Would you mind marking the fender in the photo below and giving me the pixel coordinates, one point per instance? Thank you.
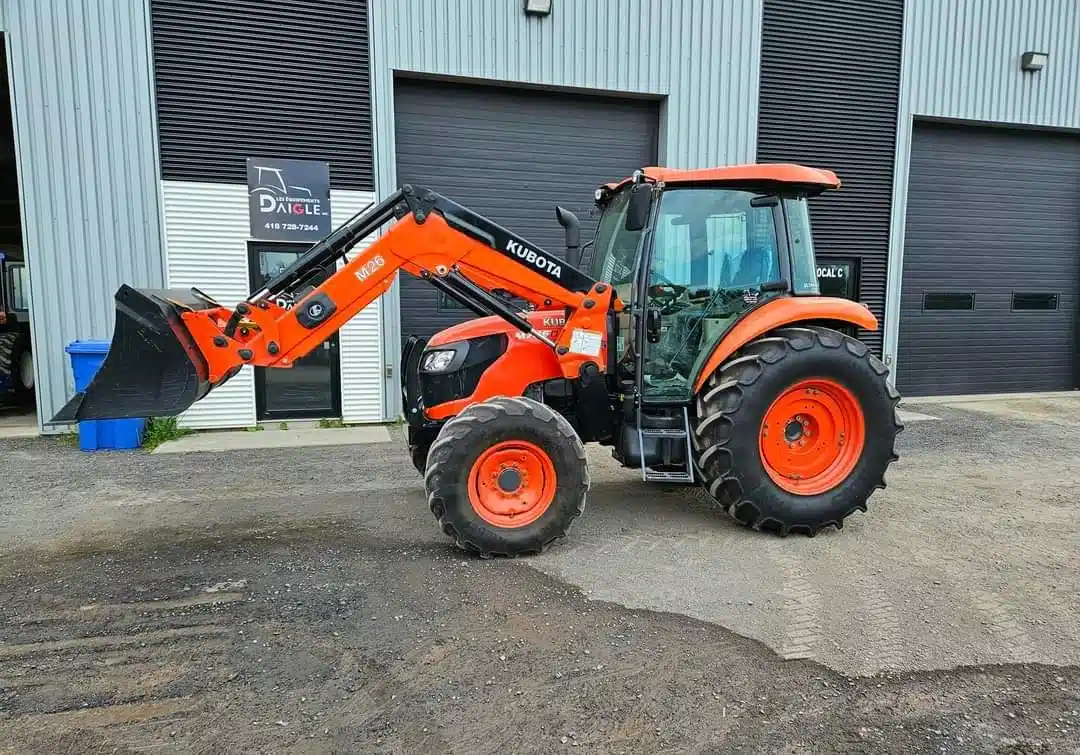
(779, 312)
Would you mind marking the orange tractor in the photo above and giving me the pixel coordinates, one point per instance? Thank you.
(697, 346)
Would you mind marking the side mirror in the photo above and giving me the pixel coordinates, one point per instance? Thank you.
(572, 227)
(637, 209)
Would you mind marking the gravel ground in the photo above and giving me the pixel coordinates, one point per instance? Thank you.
(302, 600)
(971, 555)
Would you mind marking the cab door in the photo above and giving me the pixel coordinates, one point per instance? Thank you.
(712, 255)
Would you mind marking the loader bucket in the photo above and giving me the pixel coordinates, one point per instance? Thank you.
(153, 367)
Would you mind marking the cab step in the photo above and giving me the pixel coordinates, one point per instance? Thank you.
(662, 432)
(648, 474)
(656, 475)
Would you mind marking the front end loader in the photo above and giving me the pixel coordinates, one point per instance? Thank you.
(697, 346)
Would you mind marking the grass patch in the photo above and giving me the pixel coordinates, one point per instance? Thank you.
(161, 430)
(284, 426)
(327, 423)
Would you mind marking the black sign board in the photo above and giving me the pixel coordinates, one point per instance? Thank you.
(288, 200)
(838, 277)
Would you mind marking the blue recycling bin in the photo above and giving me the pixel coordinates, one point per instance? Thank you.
(100, 434)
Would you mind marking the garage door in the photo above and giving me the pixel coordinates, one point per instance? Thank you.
(991, 262)
(512, 155)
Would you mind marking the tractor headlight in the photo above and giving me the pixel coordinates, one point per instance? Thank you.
(437, 361)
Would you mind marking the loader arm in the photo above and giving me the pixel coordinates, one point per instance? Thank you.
(195, 344)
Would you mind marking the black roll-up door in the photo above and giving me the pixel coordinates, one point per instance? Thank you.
(991, 280)
(830, 82)
(248, 78)
(512, 155)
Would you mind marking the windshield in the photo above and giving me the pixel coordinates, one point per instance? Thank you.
(713, 253)
(615, 249)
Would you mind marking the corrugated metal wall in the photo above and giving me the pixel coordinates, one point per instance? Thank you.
(84, 121)
(701, 54)
(244, 78)
(817, 111)
(962, 61)
(249, 78)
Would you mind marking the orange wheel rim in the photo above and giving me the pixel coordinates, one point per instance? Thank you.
(512, 484)
(812, 437)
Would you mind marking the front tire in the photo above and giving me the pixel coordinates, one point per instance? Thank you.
(507, 477)
(797, 431)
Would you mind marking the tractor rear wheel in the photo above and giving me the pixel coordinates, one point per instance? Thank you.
(507, 477)
(797, 431)
(16, 363)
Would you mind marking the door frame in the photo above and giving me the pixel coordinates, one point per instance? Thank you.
(262, 414)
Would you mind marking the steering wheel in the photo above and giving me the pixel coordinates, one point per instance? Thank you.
(666, 295)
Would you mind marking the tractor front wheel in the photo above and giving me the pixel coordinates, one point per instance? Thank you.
(506, 477)
(796, 432)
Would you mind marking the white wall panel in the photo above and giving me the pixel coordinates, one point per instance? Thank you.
(207, 237)
(361, 338)
(206, 234)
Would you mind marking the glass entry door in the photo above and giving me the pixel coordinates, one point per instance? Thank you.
(311, 387)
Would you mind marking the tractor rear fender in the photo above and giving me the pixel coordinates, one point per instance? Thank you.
(778, 313)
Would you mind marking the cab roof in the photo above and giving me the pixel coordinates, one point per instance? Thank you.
(814, 179)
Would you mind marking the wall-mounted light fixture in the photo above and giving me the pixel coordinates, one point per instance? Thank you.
(1033, 61)
(538, 7)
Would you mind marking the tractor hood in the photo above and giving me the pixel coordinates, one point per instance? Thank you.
(547, 322)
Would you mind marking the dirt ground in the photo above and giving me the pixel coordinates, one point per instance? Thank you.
(301, 600)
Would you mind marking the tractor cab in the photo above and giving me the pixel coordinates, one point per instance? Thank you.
(691, 253)
(16, 355)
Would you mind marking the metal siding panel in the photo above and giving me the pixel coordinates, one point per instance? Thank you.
(206, 238)
(830, 103)
(991, 212)
(84, 123)
(242, 78)
(682, 49)
(360, 339)
(962, 61)
(512, 155)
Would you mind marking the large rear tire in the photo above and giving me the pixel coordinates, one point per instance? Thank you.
(796, 432)
(16, 363)
(507, 477)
